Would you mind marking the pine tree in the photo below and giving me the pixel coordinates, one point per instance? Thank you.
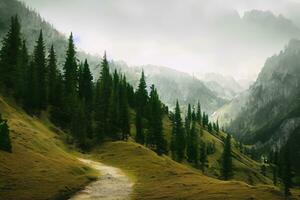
(141, 102)
(155, 137)
(41, 72)
(5, 143)
(114, 109)
(193, 115)
(70, 69)
(205, 119)
(9, 58)
(124, 110)
(203, 156)
(275, 167)
(198, 114)
(57, 114)
(209, 128)
(70, 75)
(178, 140)
(227, 169)
(31, 91)
(86, 86)
(140, 135)
(287, 172)
(79, 126)
(103, 95)
(23, 67)
(193, 145)
(52, 76)
(86, 94)
(189, 113)
(263, 170)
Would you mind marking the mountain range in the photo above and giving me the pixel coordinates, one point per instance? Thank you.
(267, 115)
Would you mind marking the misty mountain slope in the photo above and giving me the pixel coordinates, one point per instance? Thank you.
(32, 23)
(231, 110)
(172, 85)
(265, 20)
(269, 115)
(224, 86)
(274, 94)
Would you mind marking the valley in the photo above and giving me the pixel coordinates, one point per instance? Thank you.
(81, 126)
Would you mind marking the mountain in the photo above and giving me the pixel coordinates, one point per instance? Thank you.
(268, 115)
(270, 23)
(224, 86)
(172, 85)
(231, 110)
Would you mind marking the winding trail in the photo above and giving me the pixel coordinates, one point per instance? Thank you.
(113, 184)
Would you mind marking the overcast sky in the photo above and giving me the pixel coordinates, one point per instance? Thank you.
(188, 35)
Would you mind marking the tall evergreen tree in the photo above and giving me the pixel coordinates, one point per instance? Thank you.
(86, 86)
(178, 140)
(193, 145)
(275, 167)
(124, 110)
(5, 143)
(103, 95)
(114, 111)
(31, 91)
(140, 135)
(9, 57)
(57, 111)
(155, 137)
(203, 156)
(79, 126)
(141, 102)
(227, 169)
(189, 113)
(287, 172)
(86, 94)
(22, 70)
(71, 69)
(209, 128)
(52, 76)
(198, 113)
(70, 99)
(41, 72)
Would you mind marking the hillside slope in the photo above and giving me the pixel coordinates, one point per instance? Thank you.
(172, 84)
(245, 168)
(168, 81)
(161, 178)
(40, 166)
(268, 115)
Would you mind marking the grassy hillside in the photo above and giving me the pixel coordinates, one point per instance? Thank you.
(245, 168)
(40, 166)
(161, 178)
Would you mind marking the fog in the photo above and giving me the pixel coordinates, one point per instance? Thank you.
(192, 36)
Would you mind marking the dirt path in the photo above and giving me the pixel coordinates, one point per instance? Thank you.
(113, 184)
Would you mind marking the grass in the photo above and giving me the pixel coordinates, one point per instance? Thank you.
(40, 166)
(161, 178)
(245, 168)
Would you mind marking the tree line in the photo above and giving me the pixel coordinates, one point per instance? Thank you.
(90, 111)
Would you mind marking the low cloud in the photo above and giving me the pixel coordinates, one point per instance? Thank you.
(191, 36)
